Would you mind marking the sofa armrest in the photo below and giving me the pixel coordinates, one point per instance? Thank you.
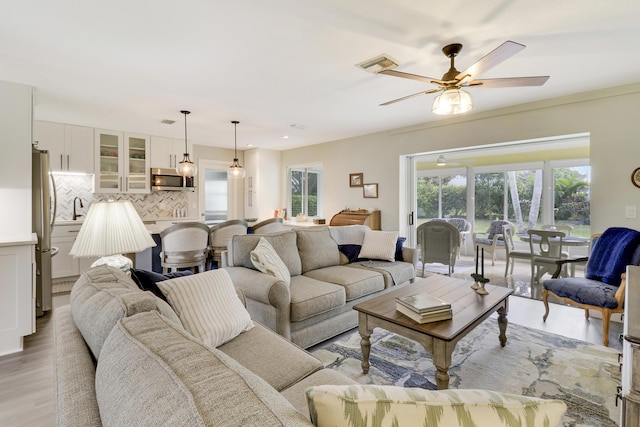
(410, 255)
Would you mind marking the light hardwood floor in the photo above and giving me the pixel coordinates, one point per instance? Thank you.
(26, 378)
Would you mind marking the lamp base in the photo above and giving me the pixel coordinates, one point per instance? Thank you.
(119, 261)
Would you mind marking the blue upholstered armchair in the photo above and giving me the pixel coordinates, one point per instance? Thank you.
(603, 286)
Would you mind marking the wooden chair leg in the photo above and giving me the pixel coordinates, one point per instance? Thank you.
(606, 317)
(586, 313)
(545, 296)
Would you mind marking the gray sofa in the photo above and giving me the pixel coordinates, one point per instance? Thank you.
(327, 280)
(122, 357)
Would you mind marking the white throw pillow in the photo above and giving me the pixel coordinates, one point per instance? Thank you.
(350, 405)
(266, 259)
(379, 245)
(208, 306)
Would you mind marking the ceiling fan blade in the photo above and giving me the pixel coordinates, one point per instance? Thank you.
(410, 76)
(510, 82)
(490, 60)
(410, 96)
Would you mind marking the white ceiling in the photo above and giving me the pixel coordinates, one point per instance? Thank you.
(128, 64)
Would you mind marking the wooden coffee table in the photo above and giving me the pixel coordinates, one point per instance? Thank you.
(438, 338)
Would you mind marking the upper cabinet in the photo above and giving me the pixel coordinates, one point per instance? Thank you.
(122, 162)
(166, 152)
(70, 147)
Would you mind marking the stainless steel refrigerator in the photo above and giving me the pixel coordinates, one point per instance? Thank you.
(44, 213)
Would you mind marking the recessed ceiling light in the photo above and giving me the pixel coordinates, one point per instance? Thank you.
(167, 122)
(285, 136)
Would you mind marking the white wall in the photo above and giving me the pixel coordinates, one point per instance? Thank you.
(15, 162)
(609, 116)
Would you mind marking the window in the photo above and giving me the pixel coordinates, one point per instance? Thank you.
(443, 196)
(572, 198)
(305, 190)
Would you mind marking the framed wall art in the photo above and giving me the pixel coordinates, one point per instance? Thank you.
(356, 179)
(370, 191)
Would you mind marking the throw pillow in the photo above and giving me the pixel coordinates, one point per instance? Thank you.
(208, 306)
(266, 259)
(146, 280)
(350, 251)
(399, 245)
(351, 405)
(379, 245)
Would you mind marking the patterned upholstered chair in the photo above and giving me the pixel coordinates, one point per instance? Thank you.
(603, 287)
(492, 241)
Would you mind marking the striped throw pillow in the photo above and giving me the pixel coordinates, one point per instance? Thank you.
(379, 245)
(265, 258)
(208, 306)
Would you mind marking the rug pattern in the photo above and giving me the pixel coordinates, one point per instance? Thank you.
(533, 363)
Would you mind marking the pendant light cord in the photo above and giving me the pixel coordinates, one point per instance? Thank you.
(185, 112)
(235, 138)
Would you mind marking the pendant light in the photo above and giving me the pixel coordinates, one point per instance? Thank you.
(186, 167)
(235, 170)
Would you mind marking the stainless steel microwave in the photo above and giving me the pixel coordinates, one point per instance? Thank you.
(169, 180)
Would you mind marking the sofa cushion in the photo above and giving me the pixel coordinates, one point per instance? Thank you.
(394, 273)
(317, 249)
(283, 242)
(102, 296)
(208, 306)
(148, 361)
(271, 357)
(146, 280)
(266, 259)
(310, 297)
(350, 405)
(357, 282)
(349, 234)
(379, 245)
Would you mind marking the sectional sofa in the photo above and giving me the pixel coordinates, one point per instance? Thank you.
(327, 270)
(125, 357)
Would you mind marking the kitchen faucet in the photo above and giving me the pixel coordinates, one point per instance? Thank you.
(76, 215)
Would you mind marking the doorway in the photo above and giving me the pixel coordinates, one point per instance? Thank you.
(219, 199)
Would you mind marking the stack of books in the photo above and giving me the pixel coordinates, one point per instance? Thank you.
(424, 308)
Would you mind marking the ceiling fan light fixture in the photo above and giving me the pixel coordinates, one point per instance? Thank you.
(186, 167)
(235, 171)
(441, 161)
(452, 101)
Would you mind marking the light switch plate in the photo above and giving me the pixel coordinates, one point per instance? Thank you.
(630, 212)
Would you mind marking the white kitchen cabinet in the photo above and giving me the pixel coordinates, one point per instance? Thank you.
(122, 162)
(262, 181)
(167, 152)
(63, 264)
(70, 147)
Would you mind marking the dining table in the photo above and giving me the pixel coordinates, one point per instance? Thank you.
(555, 248)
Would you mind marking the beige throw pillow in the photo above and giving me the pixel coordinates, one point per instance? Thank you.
(265, 258)
(379, 245)
(208, 306)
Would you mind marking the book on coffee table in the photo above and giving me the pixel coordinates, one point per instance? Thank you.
(423, 303)
(434, 316)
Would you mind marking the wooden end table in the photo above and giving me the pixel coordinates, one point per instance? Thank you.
(438, 338)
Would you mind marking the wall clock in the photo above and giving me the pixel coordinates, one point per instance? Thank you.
(635, 177)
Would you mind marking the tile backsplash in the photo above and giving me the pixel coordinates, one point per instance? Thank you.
(158, 204)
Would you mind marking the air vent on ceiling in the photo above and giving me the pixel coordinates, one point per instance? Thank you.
(377, 64)
(167, 122)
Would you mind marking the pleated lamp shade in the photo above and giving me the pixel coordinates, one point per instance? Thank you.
(111, 228)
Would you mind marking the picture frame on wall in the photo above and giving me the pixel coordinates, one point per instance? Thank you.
(356, 179)
(370, 191)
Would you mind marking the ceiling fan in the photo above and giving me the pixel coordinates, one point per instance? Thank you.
(453, 100)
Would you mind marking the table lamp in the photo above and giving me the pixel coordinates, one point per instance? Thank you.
(111, 229)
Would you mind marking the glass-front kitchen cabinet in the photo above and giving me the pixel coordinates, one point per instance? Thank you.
(122, 162)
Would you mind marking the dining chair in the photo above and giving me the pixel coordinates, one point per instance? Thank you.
(560, 227)
(492, 240)
(603, 286)
(512, 253)
(219, 235)
(546, 249)
(184, 245)
(270, 225)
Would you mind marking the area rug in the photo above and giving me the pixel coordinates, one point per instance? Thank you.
(533, 363)
(461, 267)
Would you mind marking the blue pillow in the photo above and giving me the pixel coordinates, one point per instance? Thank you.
(146, 280)
(350, 251)
(399, 245)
